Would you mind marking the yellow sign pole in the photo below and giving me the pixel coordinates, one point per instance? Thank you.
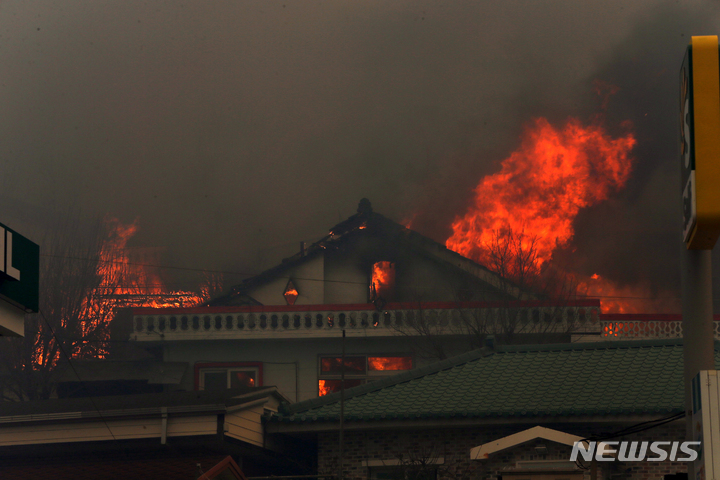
(700, 155)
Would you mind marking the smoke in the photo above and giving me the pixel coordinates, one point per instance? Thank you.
(635, 238)
(233, 130)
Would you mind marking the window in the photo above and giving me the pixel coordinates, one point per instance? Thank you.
(291, 294)
(382, 281)
(221, 376)
(359, 369)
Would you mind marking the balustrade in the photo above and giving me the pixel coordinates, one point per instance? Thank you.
(284, 324)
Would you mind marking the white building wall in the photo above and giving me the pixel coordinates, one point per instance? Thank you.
(308, 278)
(347, 278)
(282, 358)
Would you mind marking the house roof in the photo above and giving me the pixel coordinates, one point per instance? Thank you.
(368, 222)
(150, 370)
(88, 407)
(226, 469)
(581, 379)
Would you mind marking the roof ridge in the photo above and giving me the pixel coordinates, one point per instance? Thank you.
(596, 345)
(416, 241)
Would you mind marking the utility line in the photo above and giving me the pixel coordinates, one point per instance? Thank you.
(637, 428)
(226, 272)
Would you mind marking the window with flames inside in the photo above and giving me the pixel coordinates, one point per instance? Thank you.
(222, 378)
(382, 282)
(359, 369)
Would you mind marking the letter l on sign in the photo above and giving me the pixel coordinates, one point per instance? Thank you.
(6, 259)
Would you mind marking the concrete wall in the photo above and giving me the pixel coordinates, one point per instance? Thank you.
(453, 445)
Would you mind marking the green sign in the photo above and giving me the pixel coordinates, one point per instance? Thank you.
(19, 270)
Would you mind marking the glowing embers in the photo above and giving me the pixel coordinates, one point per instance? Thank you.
(332, 386)
(291, 293)
(381, 364)
(242, 379)
(382, 281)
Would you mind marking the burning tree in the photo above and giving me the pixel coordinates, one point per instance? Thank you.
(520, 215)
(84, 276)
(69, 273)
(513, 257)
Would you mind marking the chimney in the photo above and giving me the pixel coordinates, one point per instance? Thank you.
(302, 249)
(364, 207)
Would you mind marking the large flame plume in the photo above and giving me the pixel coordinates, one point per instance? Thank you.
(542, 187)
(537, 194)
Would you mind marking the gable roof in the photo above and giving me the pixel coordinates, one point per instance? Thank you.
(482, 452)
(226, 469)
(581, 379)
(367, 222)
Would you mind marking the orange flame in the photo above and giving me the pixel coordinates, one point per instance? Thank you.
(540, 190)
(383, 279)
(389, 363)
(542, 187)
(131, 280)
(323, 389)
(626, 299)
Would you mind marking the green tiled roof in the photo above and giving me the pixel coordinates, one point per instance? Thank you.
(604, 378)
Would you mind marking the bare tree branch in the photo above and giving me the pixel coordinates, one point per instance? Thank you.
(514, 257)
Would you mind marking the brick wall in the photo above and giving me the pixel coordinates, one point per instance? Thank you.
(411, 447)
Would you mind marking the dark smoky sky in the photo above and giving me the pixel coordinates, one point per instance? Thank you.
(232, 130)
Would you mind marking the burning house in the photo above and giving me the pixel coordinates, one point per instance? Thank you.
(207, 375)
(402, 300)
(370, 308)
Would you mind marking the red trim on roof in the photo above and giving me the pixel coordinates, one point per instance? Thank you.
(645, 317)
(360, 306)
(226, 464)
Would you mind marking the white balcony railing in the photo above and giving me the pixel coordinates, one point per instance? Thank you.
(197, 324)
(646, 329)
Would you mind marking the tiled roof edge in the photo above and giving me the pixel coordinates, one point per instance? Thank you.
(311, 418)
(598, 345)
